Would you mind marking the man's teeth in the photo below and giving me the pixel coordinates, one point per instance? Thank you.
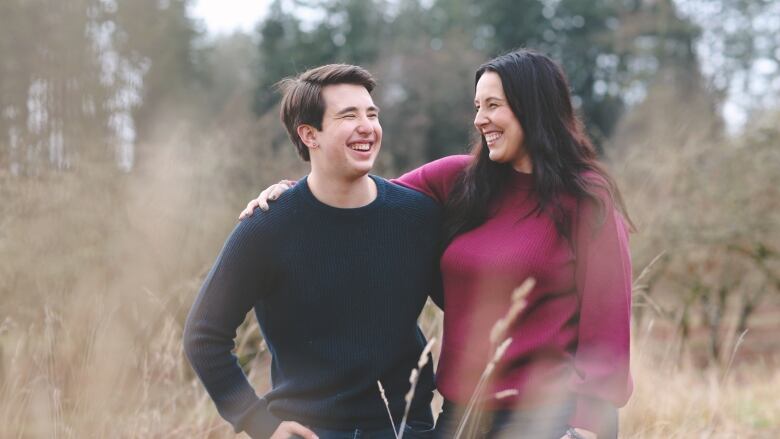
(492, 137)
(360, 146)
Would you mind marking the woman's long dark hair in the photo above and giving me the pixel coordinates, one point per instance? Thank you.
(561, 153)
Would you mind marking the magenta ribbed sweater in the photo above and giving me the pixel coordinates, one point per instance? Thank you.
(572, 339)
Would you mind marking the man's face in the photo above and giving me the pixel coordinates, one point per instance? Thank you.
(351, 135)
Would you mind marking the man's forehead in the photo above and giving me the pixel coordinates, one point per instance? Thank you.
(339, 96)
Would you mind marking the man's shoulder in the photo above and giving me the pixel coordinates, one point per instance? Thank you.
(410, 206)
(277, 217)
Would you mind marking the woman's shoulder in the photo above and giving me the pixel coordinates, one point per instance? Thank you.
(598, 185)
(455, 160)
(601, 206)
(449, 167)
(435, 178)
(594, 178)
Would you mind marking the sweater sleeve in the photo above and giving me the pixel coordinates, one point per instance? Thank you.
(603, 278)
(229, 292)
(435, 179)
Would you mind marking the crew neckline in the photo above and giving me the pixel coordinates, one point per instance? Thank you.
(314, 201)
(521, 179)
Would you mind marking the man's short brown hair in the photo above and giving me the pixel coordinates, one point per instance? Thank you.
(302, 101)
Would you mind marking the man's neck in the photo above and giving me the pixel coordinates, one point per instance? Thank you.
(342, 193)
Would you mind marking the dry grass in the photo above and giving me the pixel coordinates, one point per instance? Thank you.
(98, 269)
(674, 398)
(105, 360)
(88, 369)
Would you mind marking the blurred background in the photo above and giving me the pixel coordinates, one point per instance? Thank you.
(132, 134)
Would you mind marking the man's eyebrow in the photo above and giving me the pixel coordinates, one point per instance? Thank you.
(355, 109)
(346, 110)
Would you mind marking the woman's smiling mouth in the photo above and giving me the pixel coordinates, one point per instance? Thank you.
(492, 137)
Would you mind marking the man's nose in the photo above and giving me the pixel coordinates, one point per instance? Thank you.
(364, 126)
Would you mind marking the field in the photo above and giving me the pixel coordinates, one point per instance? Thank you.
(98, 273)
(131, 138)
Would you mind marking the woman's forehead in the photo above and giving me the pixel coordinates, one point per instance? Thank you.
(489, 86)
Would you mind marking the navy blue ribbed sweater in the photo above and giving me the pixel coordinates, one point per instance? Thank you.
(337, 293)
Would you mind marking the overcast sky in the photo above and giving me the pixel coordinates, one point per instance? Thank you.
(225, 16)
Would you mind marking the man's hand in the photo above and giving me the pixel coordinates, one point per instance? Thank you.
(271, 193)
(290, 429)
(585, 434)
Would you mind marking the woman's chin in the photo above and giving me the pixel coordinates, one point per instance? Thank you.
(495, 156)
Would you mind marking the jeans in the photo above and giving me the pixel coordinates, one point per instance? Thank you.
(412, 430)
(538, 423)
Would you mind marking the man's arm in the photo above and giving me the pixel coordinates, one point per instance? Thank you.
(234, 284)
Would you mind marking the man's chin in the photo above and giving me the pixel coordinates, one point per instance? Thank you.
(358, 174)
(363, 168)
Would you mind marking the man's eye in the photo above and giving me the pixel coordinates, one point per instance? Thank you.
(373, 115)
(349, 116)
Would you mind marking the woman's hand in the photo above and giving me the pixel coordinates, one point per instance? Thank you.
(584, 434)
(290, 429)
(269, 194)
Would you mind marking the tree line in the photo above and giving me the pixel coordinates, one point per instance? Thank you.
(88, 78)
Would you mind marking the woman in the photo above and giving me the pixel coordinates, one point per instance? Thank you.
(530, 201)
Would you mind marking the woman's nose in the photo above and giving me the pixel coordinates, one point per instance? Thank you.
(480, 119)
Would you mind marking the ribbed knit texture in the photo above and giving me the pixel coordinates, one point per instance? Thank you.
(572, 339)
(337, 293)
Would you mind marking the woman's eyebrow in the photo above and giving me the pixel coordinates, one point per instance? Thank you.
(489, 98)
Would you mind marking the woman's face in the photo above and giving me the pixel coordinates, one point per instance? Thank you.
(498, 125)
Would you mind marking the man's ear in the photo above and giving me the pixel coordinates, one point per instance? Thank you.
(308, 135)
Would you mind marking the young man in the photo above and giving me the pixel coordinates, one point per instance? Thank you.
(337, 275)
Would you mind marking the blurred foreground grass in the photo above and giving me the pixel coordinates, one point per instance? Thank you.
(99, 366)
(98, 269)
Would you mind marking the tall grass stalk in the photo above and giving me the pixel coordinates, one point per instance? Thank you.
(413, 378)
(476, 396)
(387, 406)
(500, 343)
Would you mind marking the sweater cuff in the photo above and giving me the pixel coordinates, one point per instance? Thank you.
(261, 424)
(592, 414)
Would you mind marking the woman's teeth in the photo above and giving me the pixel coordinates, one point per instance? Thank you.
(492, 137)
